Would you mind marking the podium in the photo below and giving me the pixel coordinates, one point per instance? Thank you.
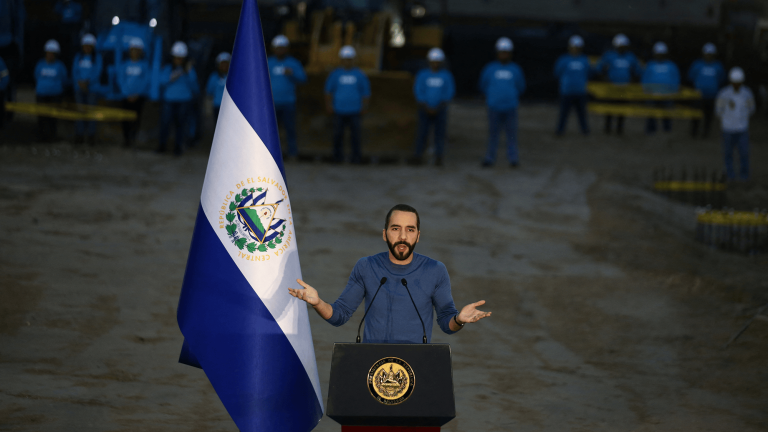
(391, 387)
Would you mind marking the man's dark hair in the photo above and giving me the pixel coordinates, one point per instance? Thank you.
(403, 208)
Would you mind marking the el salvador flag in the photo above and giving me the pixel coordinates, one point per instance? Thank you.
(240, 325)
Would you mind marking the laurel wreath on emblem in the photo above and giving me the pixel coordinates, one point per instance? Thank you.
(391, 384)
(242, 242)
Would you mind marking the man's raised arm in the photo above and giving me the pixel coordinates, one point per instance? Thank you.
(309, 295)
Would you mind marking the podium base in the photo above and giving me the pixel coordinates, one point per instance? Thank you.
(390, 429)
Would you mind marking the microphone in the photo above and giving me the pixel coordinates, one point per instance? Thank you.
(383, 281)
(405, 284)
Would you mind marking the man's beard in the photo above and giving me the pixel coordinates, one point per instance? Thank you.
(400, 256)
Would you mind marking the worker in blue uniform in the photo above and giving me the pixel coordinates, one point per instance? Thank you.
(707, 75)
(50, 81)
(133, 78)
(179, 87)
(285, 73)
(86, 70)
(71, 14)
(572, 71)
(217, 81)
(347, 92)
(620, 66)
(502, 82)
(434, 88)
(5, 78)
(661, 77)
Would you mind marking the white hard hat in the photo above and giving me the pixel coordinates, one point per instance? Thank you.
(620, 40)
(136, 43)
(736, 75)
(179, 49)
(347, 52)
(88, 39)
(660, 48)
(709, 48)
(576, 41)
(504, 44)
(222, 57)
(52, 46)
(280, 41)
(436, 54)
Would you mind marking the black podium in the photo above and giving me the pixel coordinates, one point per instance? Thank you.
(378, 387)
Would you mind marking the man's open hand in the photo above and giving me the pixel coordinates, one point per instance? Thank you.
(470, 314)
(308, 294)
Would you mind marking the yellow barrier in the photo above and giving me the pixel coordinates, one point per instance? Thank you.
(72, 111)
(690, 186)
(634, 110)
(717, 217)
(636, 92)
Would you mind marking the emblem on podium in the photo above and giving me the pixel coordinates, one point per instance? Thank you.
(391, 381)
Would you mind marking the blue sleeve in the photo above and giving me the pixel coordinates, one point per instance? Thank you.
(484, 79)
(194, 86)
(147, 78)
(210, 86)
(165, 75)
(96, 72)
(75, 74)
(365, 86)
(418, 88)
(299, 76)
(450, 87)
(520, 80)
(121, 79)
(350, 298)
(330, 83)
(442, 301)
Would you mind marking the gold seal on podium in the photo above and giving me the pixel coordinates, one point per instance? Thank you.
(391, 381)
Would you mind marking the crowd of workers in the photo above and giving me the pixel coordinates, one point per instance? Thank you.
(348, 91)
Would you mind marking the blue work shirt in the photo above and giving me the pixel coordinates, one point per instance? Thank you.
(215, 87)
(5, 75)
(434, 88)
(50, 78)
(86, 67)
(707, 77)
(133, 78)
(283, 85)
(71, 12)
(392, 318)
(573, 73)
(661, 77)
(620, 67)
(502, 84)
(349, 87)
(183, 89)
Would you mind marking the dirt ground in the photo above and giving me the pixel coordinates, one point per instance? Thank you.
(607, 314)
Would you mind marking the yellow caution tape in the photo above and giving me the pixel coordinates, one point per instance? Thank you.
(717, 217)
(72, 111)
(689, 186)
(636, 92)
(634, 110)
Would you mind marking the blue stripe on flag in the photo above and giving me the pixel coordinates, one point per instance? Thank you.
(248, 359)
(248, 81)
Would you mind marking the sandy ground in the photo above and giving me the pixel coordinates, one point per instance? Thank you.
(607, 315)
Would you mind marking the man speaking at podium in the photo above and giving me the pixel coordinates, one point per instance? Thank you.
(405, 287)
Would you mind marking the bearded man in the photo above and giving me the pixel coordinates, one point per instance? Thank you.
(392, 317)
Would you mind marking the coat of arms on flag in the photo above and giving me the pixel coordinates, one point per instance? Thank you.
(254, 223)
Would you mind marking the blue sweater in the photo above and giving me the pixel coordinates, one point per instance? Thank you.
(284, 86)
(183, 89)
(50, 78)
(661, 77)
(349, 88)
(573, 73)
(502, 85)
(5, 76)
(434, 88)
(620, 67)
(707, 77)
(215, 88)
(86, 68)
(133, 78)
(392, 319)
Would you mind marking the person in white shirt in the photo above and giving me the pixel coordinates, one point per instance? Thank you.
(734, 105)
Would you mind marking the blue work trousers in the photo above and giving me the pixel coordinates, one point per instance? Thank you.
(738, 141)
(286, 116)
(496, 121)
(341, 122)
(577, 101)
(176, 113)
(85, 128)
(438, 122)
